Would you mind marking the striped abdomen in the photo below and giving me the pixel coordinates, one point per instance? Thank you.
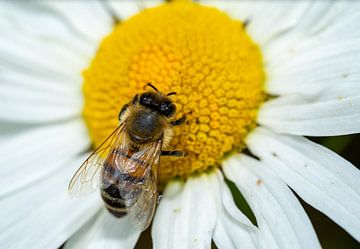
(120, 187)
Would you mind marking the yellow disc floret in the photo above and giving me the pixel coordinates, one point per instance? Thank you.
(196, 51)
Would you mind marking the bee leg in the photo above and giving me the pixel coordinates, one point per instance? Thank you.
(178, 121)
(176, 153)
(123, 110)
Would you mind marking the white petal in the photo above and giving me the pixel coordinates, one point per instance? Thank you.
(52, 49)
(333, 111)
(300, 42)
(233, 229)
(281, 220)
(267, 19)
(321, 177)
(33, 155)
(240, 10)
(64, 92)
(42, 209)
(40, 68)
(313, 67)
(168, 214)
(148, 4)
(229, 233)
(345, 23)
(311, 57)
(29, 111)
(124, 9)
(187, 214)
(31, 53)
(90, 19)
(105, 232)
(322, 25)
(28, 104)
(228, 206)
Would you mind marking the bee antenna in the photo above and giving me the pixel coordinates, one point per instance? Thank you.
(152, 86)
(171, 93)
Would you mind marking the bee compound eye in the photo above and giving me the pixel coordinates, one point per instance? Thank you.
(145, 99)
(164, 108)
(168, 109)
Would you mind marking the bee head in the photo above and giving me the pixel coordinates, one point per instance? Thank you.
(158, 102)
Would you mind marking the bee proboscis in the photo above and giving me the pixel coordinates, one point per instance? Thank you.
(126, 163)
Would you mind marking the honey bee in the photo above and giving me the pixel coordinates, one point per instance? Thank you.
(128, 175)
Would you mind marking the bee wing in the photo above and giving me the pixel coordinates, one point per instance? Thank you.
(143, 210)
(86, 179)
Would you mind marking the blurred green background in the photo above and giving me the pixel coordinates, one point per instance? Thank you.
(331, 236)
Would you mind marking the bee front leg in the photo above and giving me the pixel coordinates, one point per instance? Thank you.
(178, 121)
(176, 153)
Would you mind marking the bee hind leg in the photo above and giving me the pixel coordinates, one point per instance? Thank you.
(175, 153)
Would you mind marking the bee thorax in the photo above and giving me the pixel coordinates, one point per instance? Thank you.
(144, 126)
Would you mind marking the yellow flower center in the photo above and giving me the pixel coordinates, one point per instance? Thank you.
(196, 51)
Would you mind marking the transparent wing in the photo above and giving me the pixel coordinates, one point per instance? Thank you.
(86, 179)
(143, 210)
(142, 207)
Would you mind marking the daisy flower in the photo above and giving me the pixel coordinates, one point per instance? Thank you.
(253, 78)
